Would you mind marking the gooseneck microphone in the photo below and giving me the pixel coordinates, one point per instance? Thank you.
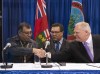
(46, 44)
(46, 65)
(7, 45)
(5, 63)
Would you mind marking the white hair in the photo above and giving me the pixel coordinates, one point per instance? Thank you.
(84, 26)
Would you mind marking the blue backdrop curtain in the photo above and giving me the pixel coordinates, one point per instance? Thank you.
(17, 11)
(91, 10)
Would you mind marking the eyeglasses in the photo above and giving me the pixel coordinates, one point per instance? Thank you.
(30, 32)
(56, 32)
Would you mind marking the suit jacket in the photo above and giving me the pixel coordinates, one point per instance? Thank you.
(64, 47)
(77, 52)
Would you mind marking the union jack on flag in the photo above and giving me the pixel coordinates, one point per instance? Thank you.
(41, 32)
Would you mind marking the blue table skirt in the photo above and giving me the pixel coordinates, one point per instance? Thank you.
(51, 72)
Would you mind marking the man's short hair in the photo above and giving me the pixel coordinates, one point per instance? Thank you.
(84, 26)
(23, 24)
(58, 25)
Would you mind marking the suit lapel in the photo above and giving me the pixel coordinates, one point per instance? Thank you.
(62, 45)
(94, 49)
(83, 51)
(52, 46)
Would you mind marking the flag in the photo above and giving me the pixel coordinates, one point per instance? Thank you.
(75, 17)
(41, 32)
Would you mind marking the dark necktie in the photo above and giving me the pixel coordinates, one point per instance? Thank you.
(88, 51)
(57, 47)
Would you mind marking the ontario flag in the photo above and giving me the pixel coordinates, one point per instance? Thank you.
(41, 32)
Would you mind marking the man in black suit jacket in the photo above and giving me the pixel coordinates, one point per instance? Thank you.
(57, 38)
(77, 52)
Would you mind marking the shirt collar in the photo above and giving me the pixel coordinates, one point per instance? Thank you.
(89, 40)
(61, 41)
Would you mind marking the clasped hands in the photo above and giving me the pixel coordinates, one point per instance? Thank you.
(39, 52)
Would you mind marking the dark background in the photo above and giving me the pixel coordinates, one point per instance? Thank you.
(0, 29)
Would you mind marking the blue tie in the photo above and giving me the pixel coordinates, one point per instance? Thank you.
(57, 47)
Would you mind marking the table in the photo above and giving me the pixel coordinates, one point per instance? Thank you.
(30, 68)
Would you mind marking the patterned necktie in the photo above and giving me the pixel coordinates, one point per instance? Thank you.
(88, 51)
(57, 47)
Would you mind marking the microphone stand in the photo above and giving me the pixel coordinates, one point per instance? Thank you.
(46, 65)
(5, 64)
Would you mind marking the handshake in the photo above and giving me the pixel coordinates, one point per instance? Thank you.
(41, 53)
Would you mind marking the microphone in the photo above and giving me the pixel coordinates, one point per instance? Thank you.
(5, 64)
(46, 44)
(7, 45)
(46, 65)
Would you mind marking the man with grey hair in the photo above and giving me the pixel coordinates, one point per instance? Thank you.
(85, 49)
(82, 31)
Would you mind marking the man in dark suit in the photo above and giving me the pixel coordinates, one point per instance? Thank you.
(58, 44)
(86, 48)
